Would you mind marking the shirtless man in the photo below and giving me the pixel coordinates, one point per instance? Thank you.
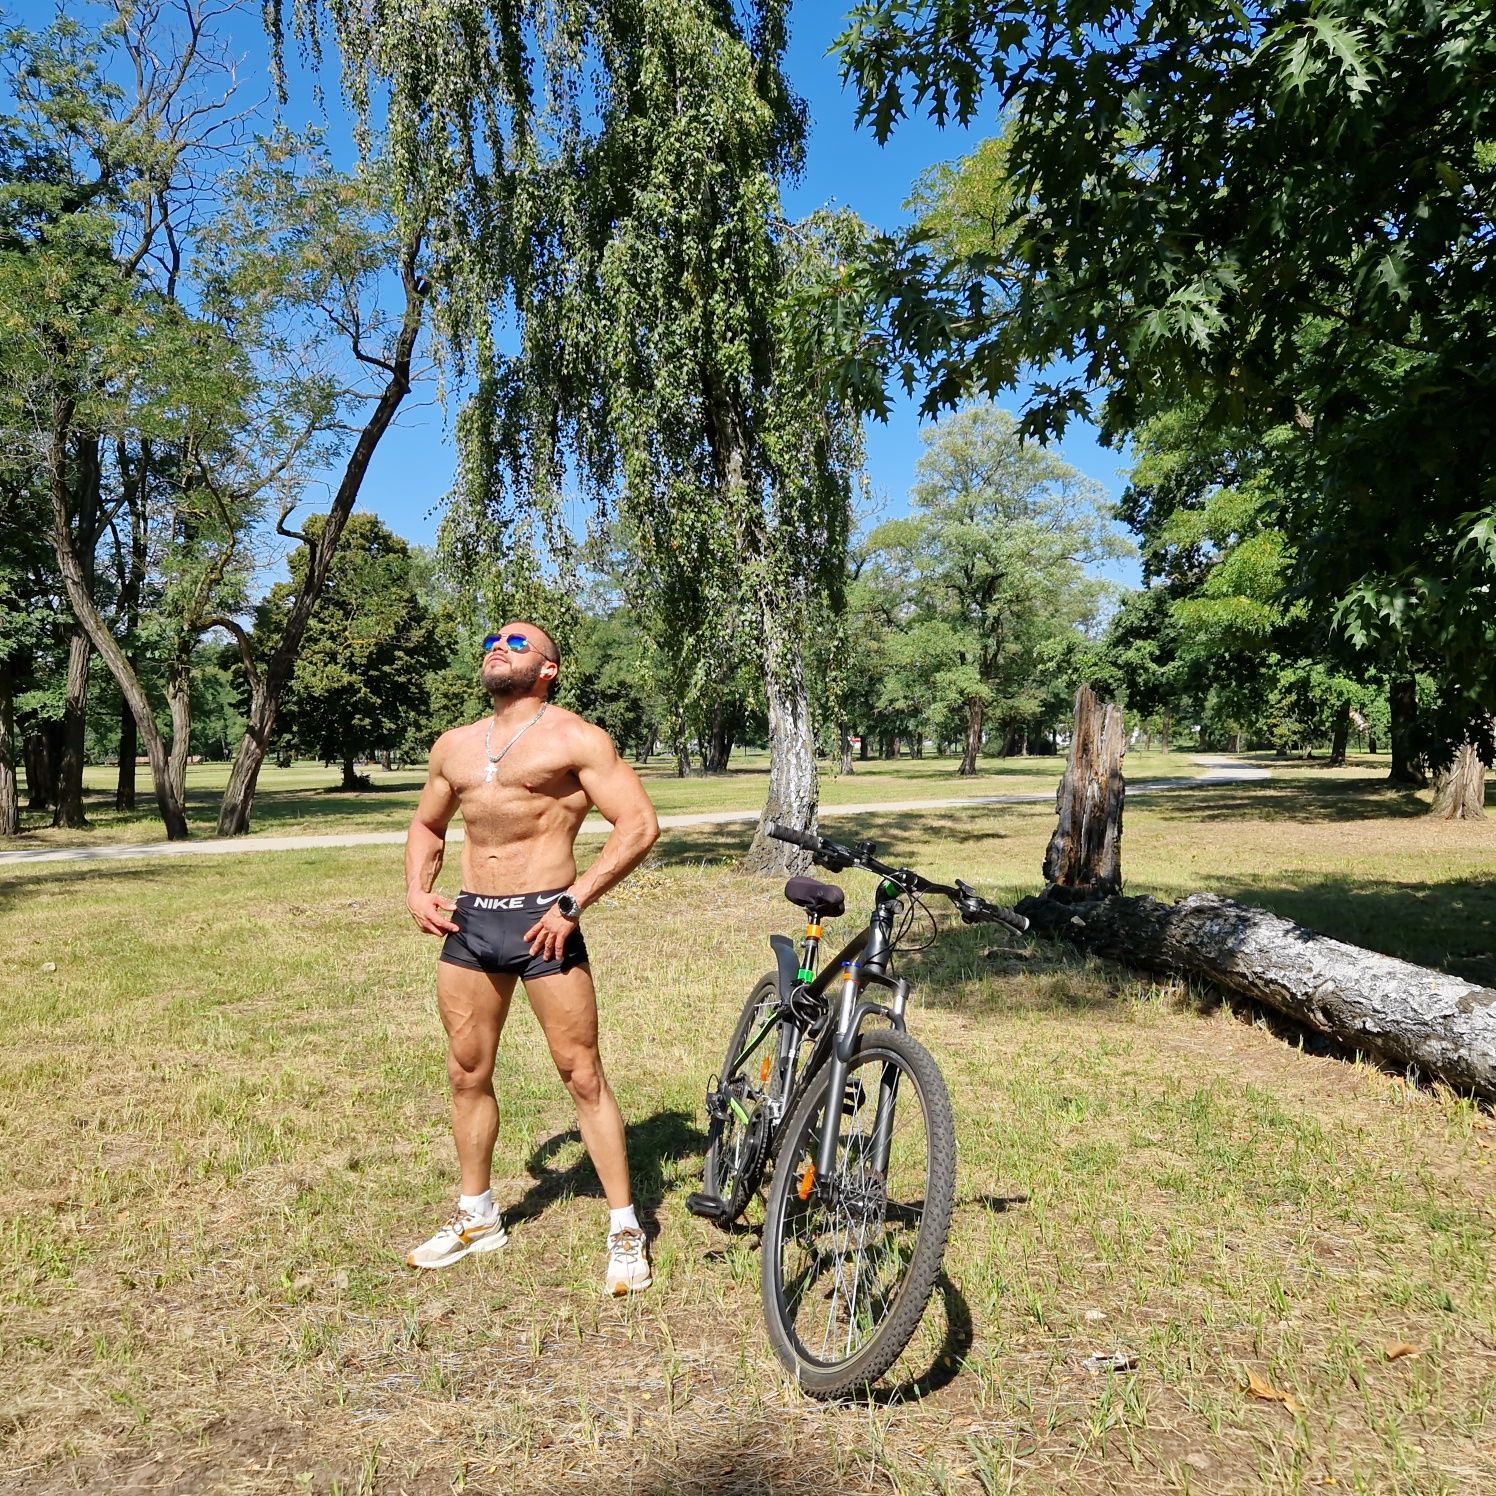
(524, 778)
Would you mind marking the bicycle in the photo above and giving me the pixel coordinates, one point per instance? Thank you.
(859, 1208)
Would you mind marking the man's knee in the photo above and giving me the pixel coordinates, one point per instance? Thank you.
(470, 1068)
(582, 1074)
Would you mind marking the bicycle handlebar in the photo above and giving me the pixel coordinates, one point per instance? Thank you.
(971, 906)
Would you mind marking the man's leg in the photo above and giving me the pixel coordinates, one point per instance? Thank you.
(473, 1007)
(566, 1006)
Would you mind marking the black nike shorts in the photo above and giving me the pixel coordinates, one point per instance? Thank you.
(491, 931)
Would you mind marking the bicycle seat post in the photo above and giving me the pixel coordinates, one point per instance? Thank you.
(810, 948)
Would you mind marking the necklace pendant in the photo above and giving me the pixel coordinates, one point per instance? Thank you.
(489, 773)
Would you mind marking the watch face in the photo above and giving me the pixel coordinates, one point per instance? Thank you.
(568, 906)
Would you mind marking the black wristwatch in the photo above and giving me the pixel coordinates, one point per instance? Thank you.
(569, 907)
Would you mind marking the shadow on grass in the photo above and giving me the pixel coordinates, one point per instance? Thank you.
(945, 1365)
(653, 1144)
(1291, 799)
(81, 878)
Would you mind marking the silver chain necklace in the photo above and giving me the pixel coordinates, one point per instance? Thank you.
(493, 758)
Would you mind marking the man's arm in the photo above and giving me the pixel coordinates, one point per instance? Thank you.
(619, 795)
(425, 845)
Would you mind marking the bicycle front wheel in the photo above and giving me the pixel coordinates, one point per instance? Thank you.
(849, 1261)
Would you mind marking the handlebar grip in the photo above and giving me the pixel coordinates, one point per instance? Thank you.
(1012, 918)
(807, 839)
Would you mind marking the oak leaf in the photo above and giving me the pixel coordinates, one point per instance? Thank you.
(1259, 1387)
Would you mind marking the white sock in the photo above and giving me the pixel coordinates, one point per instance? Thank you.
(477, 1205)
(622, 1220)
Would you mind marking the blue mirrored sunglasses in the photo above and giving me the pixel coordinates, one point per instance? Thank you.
(517, 643)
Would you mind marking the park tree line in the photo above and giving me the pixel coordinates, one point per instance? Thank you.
(576, 214)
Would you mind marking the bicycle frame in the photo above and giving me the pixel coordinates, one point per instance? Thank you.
(862, 962)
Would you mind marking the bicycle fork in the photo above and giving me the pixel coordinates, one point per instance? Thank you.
(851, 1012)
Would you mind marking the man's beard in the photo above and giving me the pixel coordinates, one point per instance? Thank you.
(510, 680)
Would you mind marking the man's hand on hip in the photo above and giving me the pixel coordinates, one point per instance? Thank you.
(547, 937)
(427, 910)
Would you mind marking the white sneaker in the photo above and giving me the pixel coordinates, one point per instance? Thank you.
(628, 1262)
(461, 1233)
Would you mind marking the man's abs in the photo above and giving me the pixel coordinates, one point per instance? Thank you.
(518, 840)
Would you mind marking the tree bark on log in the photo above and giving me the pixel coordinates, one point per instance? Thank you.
(1084, 860)
(1408, 1014)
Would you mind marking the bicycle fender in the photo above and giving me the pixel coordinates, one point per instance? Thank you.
(786, 963)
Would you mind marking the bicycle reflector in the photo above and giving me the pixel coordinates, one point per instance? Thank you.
(807, 1179)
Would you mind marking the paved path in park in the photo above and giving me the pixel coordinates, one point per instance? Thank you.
(1216, 771)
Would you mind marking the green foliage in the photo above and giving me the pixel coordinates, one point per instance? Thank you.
(1279, 213)
(626, 213)
(992, 560)
(361, 683)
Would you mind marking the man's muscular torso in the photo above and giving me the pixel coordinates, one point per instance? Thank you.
(518, 829)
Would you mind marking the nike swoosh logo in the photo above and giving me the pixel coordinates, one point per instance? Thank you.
(549, 898)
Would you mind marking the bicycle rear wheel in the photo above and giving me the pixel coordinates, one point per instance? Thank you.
(740, 1135)
(849, 1262)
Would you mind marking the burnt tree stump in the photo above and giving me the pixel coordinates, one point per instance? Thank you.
(1084, 859)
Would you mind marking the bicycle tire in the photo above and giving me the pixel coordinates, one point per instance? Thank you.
(790, 1226)
(737, 1152)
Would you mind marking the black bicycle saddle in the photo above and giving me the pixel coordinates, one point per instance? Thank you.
(820, 900)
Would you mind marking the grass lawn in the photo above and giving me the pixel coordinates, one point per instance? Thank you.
(305, 798)
(223, 1120)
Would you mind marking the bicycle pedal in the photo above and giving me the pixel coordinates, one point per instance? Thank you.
(708, 1207)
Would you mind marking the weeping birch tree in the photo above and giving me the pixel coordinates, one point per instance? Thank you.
(625, 212)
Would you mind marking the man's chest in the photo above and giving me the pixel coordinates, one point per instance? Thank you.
(486, 773)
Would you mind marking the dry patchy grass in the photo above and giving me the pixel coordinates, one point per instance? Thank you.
(223, 1119)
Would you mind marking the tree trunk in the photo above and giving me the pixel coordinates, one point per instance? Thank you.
(1407, 758)
(975, 710)
(1084, 859)
(844, 743)
(133, 571)
(721, 731)
(1407, 1014)
(1168, 732)
(1460, 789)
(74, 561)
(40, 759)
(1340, 733)
(862, 749)
(10, 800)
(267, 689)
(179, 703)
(67, 790)
(350, 777)
(129, 746)
(794, 794)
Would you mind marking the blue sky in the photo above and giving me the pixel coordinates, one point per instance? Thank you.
(845, 165)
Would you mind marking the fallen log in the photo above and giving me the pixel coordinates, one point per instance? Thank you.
(1408, 1014)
